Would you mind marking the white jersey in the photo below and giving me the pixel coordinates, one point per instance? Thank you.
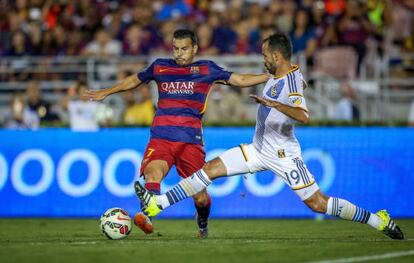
(274, 133)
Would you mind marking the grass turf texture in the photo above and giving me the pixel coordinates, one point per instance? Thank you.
(80, 240)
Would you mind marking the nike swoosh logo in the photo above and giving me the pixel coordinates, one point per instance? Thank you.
(164, 69)
(122, 218)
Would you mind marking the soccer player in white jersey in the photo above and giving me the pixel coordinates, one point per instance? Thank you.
(274, 148)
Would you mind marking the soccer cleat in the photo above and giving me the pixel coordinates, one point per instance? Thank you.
(203, 233)
(202, 227)
(388, 226)
(143, 194)
(148, 199)
(144, 223)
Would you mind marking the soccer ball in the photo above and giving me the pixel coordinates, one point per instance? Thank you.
(115, 223)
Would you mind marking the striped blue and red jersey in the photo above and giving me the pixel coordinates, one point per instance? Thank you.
(183, 92)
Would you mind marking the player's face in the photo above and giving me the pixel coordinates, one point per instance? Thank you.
(269, 59)
(184, 51)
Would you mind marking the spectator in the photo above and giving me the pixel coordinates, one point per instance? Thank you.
(303, 35)
(19, 116)
(411, 115)
(172, 9)
(380, 15)
(285, 20)
(224, 106)
(37, 105)
(19, 45)
(205, 41)
(135, 42)
(324, 24)
(335, 7)
(82, 113)
(346, 108)
(242, 44)
(354, 29)
(74, 43)
(103, 45)
(167, 31)
(138, 111)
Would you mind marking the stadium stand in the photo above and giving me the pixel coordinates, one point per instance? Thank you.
(59, 43)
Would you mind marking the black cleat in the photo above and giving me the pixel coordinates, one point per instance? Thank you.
(202, 227)
(389, 227)
(143, 194)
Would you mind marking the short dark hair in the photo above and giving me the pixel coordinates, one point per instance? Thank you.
(186, 33)
(280, 42)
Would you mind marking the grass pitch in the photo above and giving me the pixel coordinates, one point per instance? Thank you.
(80, 240)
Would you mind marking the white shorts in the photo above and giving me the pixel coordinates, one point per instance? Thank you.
(293, 171)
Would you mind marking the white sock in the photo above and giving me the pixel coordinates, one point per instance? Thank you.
(344, 209)
(184, 189)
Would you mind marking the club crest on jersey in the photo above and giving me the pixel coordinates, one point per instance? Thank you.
(178, 87)
(297, 100)
(195, 69)
(275, 90)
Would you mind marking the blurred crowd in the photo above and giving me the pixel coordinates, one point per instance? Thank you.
(142, 27)
(145, 27)
(28, 110)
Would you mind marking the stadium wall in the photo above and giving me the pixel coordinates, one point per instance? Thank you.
(60, 173)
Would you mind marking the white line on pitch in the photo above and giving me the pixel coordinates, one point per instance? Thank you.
(66, 243)
(368, 258)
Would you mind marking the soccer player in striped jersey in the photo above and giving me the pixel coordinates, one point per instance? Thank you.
(176, 132)
(274, 148)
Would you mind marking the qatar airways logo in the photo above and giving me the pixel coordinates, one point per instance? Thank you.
(178, 87)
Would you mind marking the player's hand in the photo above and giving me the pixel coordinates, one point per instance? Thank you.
(264, 101)
(95, 95)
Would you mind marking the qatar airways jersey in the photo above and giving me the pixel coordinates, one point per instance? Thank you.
(182, 99)
(274, 135)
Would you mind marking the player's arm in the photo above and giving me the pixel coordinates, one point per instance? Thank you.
(128, 83)
(247, 80)
(297, 113)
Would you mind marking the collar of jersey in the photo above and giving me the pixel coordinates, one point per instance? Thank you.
(294, 67)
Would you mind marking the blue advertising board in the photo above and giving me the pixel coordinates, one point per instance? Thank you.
(60, 173)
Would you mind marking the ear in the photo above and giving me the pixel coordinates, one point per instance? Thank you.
(195, 47)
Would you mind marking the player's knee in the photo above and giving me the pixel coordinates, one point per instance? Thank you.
(153, 175)
(208, 168)
(214, 168)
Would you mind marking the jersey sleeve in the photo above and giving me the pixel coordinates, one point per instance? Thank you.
(218, 73)
(147, 74)
(295, 96)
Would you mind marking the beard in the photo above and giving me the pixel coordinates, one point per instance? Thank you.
(271, 68)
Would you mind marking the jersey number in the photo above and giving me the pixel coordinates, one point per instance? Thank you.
(293, 176)
(150, 151)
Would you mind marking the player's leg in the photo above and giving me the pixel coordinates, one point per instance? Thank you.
(232, 162)
(155, 165)
(191, 158)
(153, 173)
(344, 209)
(295, 174)
(202, 203)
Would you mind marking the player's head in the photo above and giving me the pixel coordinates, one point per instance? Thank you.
(185, 46)
(276, 50)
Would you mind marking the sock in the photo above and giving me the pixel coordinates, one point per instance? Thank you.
(153, 187)
(348, 211)
(196, 183)
(203, 212)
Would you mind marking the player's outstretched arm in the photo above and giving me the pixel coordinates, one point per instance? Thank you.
(130, 82)
(247, 80)
(296, 113)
